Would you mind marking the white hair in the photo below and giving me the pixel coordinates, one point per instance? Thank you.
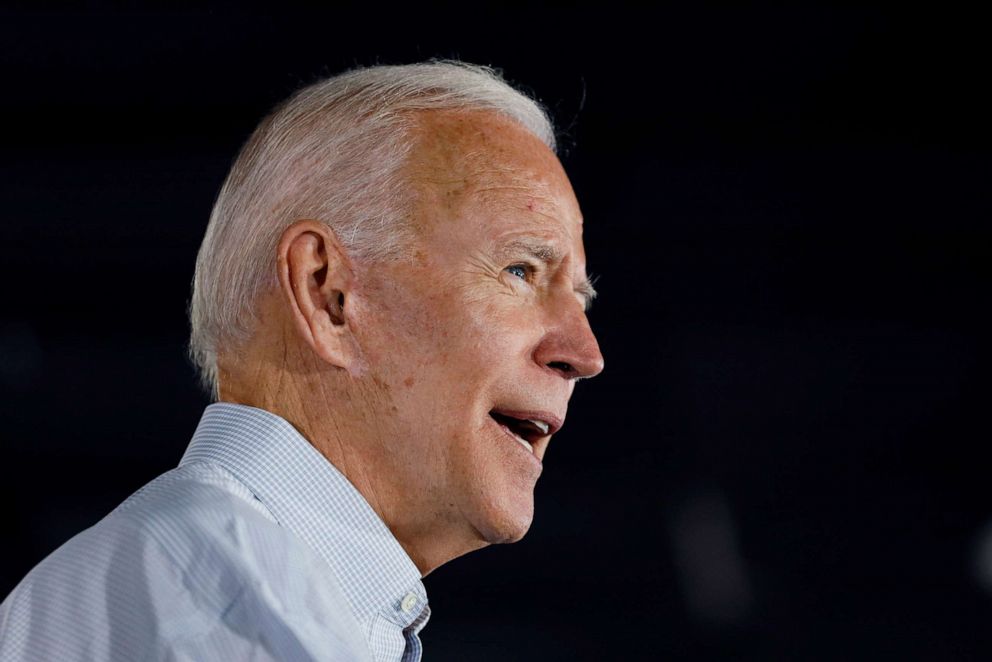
(332, 152)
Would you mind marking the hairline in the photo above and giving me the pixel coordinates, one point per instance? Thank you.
(392, 129)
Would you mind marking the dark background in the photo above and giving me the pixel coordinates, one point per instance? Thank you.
(785, 457)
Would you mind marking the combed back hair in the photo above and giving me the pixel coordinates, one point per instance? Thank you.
(332, 152)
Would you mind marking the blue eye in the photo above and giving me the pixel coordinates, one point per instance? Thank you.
(518, 270)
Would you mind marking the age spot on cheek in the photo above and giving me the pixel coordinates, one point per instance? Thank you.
(409, 381)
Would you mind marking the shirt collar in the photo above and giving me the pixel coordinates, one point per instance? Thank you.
(311, 498)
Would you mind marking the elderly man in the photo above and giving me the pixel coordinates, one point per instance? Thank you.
(389, 306)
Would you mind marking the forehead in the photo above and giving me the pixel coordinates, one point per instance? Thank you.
(473, 166)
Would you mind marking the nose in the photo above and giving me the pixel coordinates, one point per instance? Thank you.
(569, 347)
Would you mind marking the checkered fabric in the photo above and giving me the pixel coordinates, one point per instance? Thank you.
(254, 548)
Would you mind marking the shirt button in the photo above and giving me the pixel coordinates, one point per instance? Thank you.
(409, 602)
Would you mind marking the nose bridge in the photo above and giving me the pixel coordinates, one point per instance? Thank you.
(569, 345)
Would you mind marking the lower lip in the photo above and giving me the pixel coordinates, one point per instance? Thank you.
(513, 440)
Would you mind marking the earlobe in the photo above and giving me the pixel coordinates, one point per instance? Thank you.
(315, 277)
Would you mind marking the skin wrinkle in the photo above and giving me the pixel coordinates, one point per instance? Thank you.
(426, 455)
(550, 255)
(281, 379)
(381, 504)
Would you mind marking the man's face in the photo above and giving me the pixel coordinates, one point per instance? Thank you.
(476, 343)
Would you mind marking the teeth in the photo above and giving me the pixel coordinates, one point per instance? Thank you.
(524, 443)
(540, 425)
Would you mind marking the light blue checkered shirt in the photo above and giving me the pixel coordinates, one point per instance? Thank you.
(254, 548)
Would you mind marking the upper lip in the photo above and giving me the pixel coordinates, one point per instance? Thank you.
(553, 421)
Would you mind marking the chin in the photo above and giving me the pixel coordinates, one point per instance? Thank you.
(506, 525)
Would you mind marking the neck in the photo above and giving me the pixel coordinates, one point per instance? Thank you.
(293, 384)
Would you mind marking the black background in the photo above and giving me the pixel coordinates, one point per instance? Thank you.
(785, 456)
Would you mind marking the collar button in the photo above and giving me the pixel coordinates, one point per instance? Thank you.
(408, 603)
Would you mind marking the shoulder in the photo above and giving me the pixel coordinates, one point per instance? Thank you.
(185, 559)
(195, 507)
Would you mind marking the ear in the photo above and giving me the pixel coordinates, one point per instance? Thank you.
(316, 278)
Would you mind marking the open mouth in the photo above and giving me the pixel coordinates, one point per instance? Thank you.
(527, 431)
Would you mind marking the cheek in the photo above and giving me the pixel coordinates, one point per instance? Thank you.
(457, 332)
(397, 327)
(506, 328)
(442, 348)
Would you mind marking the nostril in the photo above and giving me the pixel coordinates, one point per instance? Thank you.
(561, 366)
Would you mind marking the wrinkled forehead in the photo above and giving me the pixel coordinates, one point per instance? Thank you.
(479, 157)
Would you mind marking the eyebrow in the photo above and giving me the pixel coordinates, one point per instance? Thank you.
(549, 254)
